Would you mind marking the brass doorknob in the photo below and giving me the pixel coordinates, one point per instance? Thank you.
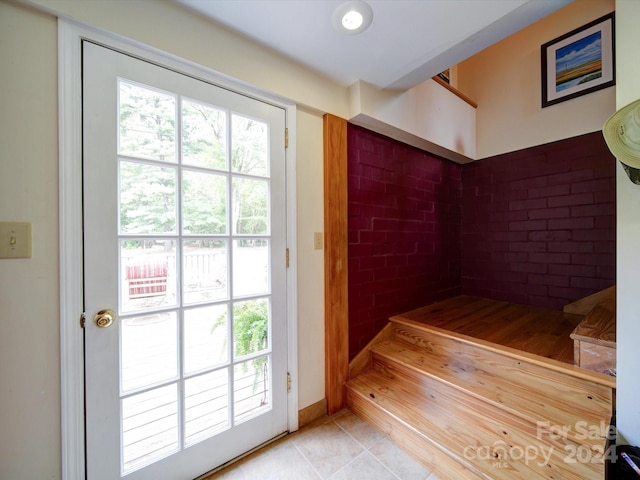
(104, 318)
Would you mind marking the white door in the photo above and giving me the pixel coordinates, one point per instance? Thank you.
(185, 241)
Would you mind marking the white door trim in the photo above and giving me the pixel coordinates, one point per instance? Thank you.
(70, 36)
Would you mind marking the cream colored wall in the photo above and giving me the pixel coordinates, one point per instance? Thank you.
(628, 234)
(427, 116)
(310, 193)
(29, 324)
(504, 80)
(175, 29)
(29, 295)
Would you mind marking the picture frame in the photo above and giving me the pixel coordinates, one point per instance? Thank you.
(579, 62)
(445, 76)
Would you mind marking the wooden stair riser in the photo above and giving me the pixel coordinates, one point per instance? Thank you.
(586, 398)
(492, 445)
(424, 450)
(500, 426)
(531, 405)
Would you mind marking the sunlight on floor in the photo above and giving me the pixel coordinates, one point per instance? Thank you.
(341, 447)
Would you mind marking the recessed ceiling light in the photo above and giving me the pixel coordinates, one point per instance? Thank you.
(352, 17)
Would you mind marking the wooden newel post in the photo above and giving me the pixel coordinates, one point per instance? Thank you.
(335, 262)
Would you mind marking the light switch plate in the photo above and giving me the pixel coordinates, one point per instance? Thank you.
(15, 240)
(318, 240)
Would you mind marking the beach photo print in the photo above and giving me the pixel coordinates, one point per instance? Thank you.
(579, 62)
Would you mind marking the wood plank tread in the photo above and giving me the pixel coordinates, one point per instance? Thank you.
(599, 326)
(516, 354)
(508, 387)
(535, 330)
(465, 428)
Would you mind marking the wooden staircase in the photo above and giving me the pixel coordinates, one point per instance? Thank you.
(470, 409)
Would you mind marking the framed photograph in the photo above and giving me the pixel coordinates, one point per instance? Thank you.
(579, 62)
(446, 76)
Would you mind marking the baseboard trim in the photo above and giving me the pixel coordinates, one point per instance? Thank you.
(312, 412)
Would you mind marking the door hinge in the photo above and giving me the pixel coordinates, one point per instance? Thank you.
(83, 319)
(287, 257)
(286, 138)
(288, 382)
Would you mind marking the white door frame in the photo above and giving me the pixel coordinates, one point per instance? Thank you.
(70, 36)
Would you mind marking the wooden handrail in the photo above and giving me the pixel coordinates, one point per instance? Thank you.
(455, 91)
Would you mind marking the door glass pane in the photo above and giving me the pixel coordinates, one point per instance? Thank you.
(148, 274)
(250, 267)
(205, 338)
(251, 388)
(250, 327)
(204, 135)
(149, 427)
(250, 206)
(250, 146)
(147, 123)
(205, 270)
(206, 405)
(149, 350)
(204, 208)
(148, 198)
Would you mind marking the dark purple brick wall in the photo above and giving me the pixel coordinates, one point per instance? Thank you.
(405, 209)
(539, 224)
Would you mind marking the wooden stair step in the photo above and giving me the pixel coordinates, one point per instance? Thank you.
(479, 389)
(477, 436)
(479, 408)
(496, 381)
(595, 337)
(585, 390)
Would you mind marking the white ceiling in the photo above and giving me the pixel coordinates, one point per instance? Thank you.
(408, 42)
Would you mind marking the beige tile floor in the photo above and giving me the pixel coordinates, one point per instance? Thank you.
(341, 447)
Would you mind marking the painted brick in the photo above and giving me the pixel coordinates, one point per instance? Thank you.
(529, 289)
(571, 223)
(571, 247)
(509, 236)
(549, 280)
(528, 247)
(606, 196)
(590, 283)
(550, 235)
(528, 225)
(593, 259)
(574, 182)
(573, 270)
(546, 302)
(575, 199)
(529, 267)
(547, 213)
(509, 257)
(404, 228)
(570, 177)
(604, 247)
(549, 191)
(535, 226)
(606, 222)
(519, 215)
(549, 257)
(531, 204)
(599, 185)
(606, 271)
(601, 234)
(569, 292)
(598, 210)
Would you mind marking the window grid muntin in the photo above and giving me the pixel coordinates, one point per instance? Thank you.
(179, 237)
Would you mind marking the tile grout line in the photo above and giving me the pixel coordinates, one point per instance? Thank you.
(383, 437)
(315, 470)
(367, 449)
